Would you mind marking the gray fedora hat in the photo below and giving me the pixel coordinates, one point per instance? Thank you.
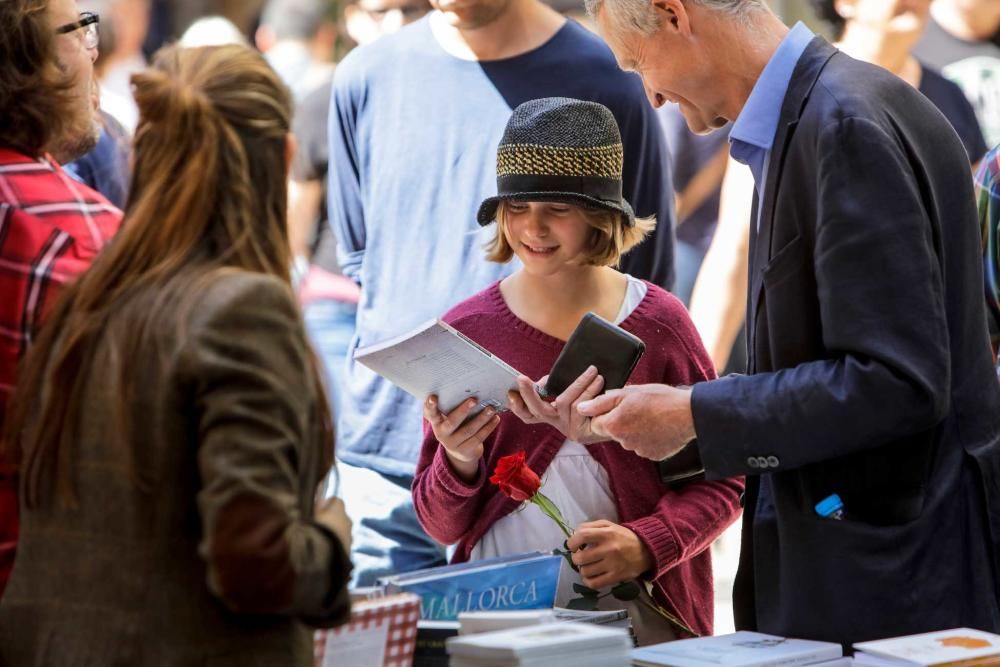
(560, 149)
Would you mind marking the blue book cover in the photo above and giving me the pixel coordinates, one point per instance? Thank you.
(521, 581)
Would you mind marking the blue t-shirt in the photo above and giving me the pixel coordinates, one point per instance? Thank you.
(413, 139)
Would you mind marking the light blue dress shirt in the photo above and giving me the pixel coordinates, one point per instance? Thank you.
(753, 132)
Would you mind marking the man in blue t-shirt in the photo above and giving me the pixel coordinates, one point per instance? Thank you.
(414, 124)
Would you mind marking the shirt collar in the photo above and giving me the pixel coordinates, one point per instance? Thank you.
(758, 121)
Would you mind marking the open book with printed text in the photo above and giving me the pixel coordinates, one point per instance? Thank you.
(436, 358)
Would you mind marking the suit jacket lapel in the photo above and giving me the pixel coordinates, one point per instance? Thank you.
(804, 77)
(751, 278)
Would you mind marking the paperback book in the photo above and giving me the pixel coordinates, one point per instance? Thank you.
(739, 649)
(382, 632)
(436, 358)
(431, 638)
(544, 645)
(520, 581)
(961, 647)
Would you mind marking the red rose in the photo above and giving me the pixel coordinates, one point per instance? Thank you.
(515, 478)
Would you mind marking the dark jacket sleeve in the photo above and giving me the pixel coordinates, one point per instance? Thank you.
(259, 458)
(877, 266)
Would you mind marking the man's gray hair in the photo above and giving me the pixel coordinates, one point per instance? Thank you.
(639, 15)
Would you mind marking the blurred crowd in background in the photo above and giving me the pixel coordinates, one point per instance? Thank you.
(949, 49)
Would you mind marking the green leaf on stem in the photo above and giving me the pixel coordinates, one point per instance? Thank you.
(627, 590)
(551, 511)
(582, 604)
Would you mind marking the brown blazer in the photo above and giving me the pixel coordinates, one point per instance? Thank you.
(198, 549)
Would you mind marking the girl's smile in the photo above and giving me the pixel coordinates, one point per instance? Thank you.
(546, 234)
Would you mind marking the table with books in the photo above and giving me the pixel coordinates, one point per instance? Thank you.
(499, 613)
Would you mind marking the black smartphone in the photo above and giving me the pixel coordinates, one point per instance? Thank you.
(595, 342)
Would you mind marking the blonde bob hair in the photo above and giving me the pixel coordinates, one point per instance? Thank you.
(610, 238)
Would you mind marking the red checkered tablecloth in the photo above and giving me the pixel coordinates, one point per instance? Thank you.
(400, 612)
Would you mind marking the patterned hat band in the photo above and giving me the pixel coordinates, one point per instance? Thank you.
(533, 159)
(557, 149)
(596, 187)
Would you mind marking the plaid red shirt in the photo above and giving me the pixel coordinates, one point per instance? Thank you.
(51, 227)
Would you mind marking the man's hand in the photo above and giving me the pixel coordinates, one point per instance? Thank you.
(608, 554)
(562, 412)
(652, 420)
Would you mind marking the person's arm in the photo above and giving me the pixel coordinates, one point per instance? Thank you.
(885, 379)
(309, 169)
(265, 552)
(687, 521)
(304, 200)
(877, 271)
(344, 197)
(446, 504)
(648, 186)
(718, 302)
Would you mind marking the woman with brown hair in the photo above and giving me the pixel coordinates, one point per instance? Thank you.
(169, 422)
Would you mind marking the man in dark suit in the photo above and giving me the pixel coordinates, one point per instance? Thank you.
(870, 374)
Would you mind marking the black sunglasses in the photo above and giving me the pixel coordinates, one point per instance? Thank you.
(88, 21)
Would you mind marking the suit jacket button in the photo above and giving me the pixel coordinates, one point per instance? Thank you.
(753, 462)
(762, 462)
(773, 461)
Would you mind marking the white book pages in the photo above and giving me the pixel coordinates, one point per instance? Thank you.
(739, 649)
(476, 622)
(934, 648)
(437, 359)
(541, 642)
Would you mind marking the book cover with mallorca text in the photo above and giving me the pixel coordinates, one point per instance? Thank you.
(522, 581)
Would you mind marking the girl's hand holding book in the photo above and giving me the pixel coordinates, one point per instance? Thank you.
(462, 442)
(562, 412)
(607, 554)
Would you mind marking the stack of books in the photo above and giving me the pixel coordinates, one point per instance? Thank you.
(740, 649)
(431, 641)
(961, 647)
(613, 618)
(576, 644)
(433, 635)
(478, 622)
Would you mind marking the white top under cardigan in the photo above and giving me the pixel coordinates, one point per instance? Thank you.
(578, 485)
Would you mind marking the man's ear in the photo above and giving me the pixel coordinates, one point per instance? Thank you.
(675, 14)
(846, 8)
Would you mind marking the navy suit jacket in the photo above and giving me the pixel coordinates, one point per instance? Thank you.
(870, 372)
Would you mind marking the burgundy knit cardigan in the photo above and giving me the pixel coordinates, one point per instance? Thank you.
(676, 525)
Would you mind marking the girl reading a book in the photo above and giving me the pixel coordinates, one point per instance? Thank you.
(560, 211)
